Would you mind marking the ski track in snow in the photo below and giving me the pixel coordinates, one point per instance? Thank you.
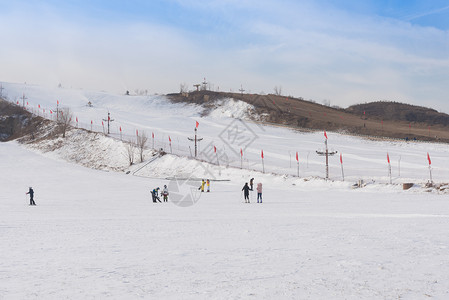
(96, 234)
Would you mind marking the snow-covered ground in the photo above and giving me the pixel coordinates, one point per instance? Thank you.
(96, 233)
(362, 159)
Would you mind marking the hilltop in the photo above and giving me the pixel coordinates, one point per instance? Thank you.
(377, 119)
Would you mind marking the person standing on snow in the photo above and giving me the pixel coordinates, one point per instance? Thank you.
(251, 181)
(203, 183)
(246, 190)
(165, 193)
(259, 192)
(31, 192)
(155, 196)
(208, 185)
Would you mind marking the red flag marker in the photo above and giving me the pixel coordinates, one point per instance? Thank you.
(120, 128)
(428, 158)
(152, 135)
(197, 124)
(137, 132)
(215, 149)
(241, 152)
(169, 139)
(297, 158)
(341, 158)
(261, 155)
(388, 158)
(325, 134)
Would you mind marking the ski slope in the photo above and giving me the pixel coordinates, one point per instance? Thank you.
(362, 159)
(96, 234)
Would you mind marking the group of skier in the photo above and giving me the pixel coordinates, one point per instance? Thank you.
(247, 188)
(164, 194)
(204, 183)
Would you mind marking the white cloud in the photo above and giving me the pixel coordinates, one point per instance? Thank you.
(311, 51)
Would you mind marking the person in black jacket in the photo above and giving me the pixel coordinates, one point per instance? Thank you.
(246, 192)
(31, 192)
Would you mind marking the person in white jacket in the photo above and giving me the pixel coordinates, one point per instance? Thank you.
(165, 193)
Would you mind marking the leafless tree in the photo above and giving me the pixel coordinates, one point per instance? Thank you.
(278, 90)
(182, 88)
(130, 150)
(141, 142)
(64, 119)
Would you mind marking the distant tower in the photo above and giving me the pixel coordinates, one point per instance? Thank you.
(241, 89)
(204, 83)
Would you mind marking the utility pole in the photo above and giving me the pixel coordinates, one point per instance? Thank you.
(23, 100)
(196, 139)
(1, 90)
(241, 89)
(57, 110)
(204, 84)
(327, 154)
(108, 120)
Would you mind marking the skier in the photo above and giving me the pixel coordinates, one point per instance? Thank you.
(259, 192)
(165, 193)
(246, 190)
(31, 192)
(203, 183)
(251, 181)
(208, 185)
(155, 196)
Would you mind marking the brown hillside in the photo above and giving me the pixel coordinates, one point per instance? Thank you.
(401, 112)
(382, 119)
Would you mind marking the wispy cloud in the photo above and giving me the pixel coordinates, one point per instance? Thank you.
(311, 49)
(426, 13)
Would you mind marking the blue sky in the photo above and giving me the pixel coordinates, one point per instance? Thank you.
(345, 52)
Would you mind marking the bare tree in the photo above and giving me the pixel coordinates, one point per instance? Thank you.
(141, 142)
(278, 90)
(64, 119)
(130, 150)
(182, 88)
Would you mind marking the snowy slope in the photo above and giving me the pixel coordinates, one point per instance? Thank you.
(96, 233)
(362, 159)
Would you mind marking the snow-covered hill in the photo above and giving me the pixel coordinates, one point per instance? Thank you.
(172, 124)
(95, 232)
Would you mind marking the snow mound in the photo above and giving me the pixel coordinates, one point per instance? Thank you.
(231, 108)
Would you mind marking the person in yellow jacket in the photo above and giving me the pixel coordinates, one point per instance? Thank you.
(203, 183)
